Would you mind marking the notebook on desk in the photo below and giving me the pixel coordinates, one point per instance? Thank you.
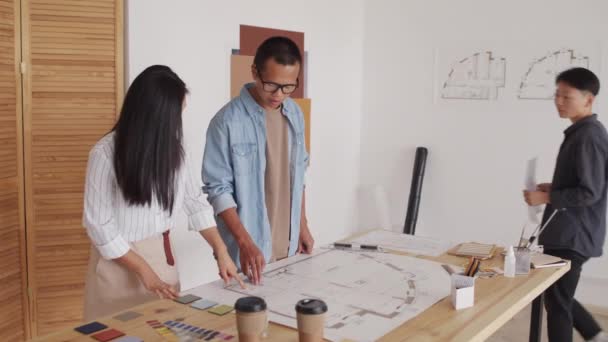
(544, 260)
(474, 249)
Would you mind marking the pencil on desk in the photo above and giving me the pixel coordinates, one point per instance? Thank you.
(469, 267)
(473, 267)
(476, 267)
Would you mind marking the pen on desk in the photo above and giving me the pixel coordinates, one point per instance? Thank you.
(357, 247)
(369, 247)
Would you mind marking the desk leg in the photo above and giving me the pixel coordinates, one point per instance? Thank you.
(536, 318)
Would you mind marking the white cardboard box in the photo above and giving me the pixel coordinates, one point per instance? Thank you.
(463, 291)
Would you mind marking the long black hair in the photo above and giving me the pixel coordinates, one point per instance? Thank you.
(148, 149)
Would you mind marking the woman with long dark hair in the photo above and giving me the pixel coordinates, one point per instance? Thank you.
(137, 179)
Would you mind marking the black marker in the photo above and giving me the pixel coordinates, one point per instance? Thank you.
(369, 247)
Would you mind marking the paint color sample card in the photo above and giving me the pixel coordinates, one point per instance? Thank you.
(127, 316)
(90, 328)
(107, 335)
(221, 310)
(203, 304)
(129, 339)
(162, 330)
(187, 299)
(186, 331)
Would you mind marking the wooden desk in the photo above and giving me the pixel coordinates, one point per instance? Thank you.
(496, 301)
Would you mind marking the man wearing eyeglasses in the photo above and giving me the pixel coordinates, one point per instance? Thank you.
(254, 164)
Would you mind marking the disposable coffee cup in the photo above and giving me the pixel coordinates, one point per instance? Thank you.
(311, 319)
(251, 318)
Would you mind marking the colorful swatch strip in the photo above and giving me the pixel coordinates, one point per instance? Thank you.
(182, 329)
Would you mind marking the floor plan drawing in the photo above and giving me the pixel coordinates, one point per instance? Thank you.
(368, 293)
(539, 81)
(477, 77)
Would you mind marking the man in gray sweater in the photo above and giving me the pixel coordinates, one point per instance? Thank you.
(578, 194)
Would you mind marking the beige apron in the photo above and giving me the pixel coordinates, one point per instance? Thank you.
(111, 287)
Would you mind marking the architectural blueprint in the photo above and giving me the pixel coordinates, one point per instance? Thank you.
(368, 293)
(476, 77)
(539, 81)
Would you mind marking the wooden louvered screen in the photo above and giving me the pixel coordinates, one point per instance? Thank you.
(13, 298)
(73, 87)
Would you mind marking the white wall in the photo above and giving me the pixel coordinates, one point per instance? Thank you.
(195, 38)
(478, 149)
(372, 81)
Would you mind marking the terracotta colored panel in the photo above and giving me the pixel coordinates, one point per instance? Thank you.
(240, 73)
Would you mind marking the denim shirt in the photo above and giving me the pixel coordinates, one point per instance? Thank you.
(234, 165)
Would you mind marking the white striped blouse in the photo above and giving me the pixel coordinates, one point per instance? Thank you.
(111, 223)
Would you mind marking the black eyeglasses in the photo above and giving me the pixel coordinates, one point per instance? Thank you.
(272, 87)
